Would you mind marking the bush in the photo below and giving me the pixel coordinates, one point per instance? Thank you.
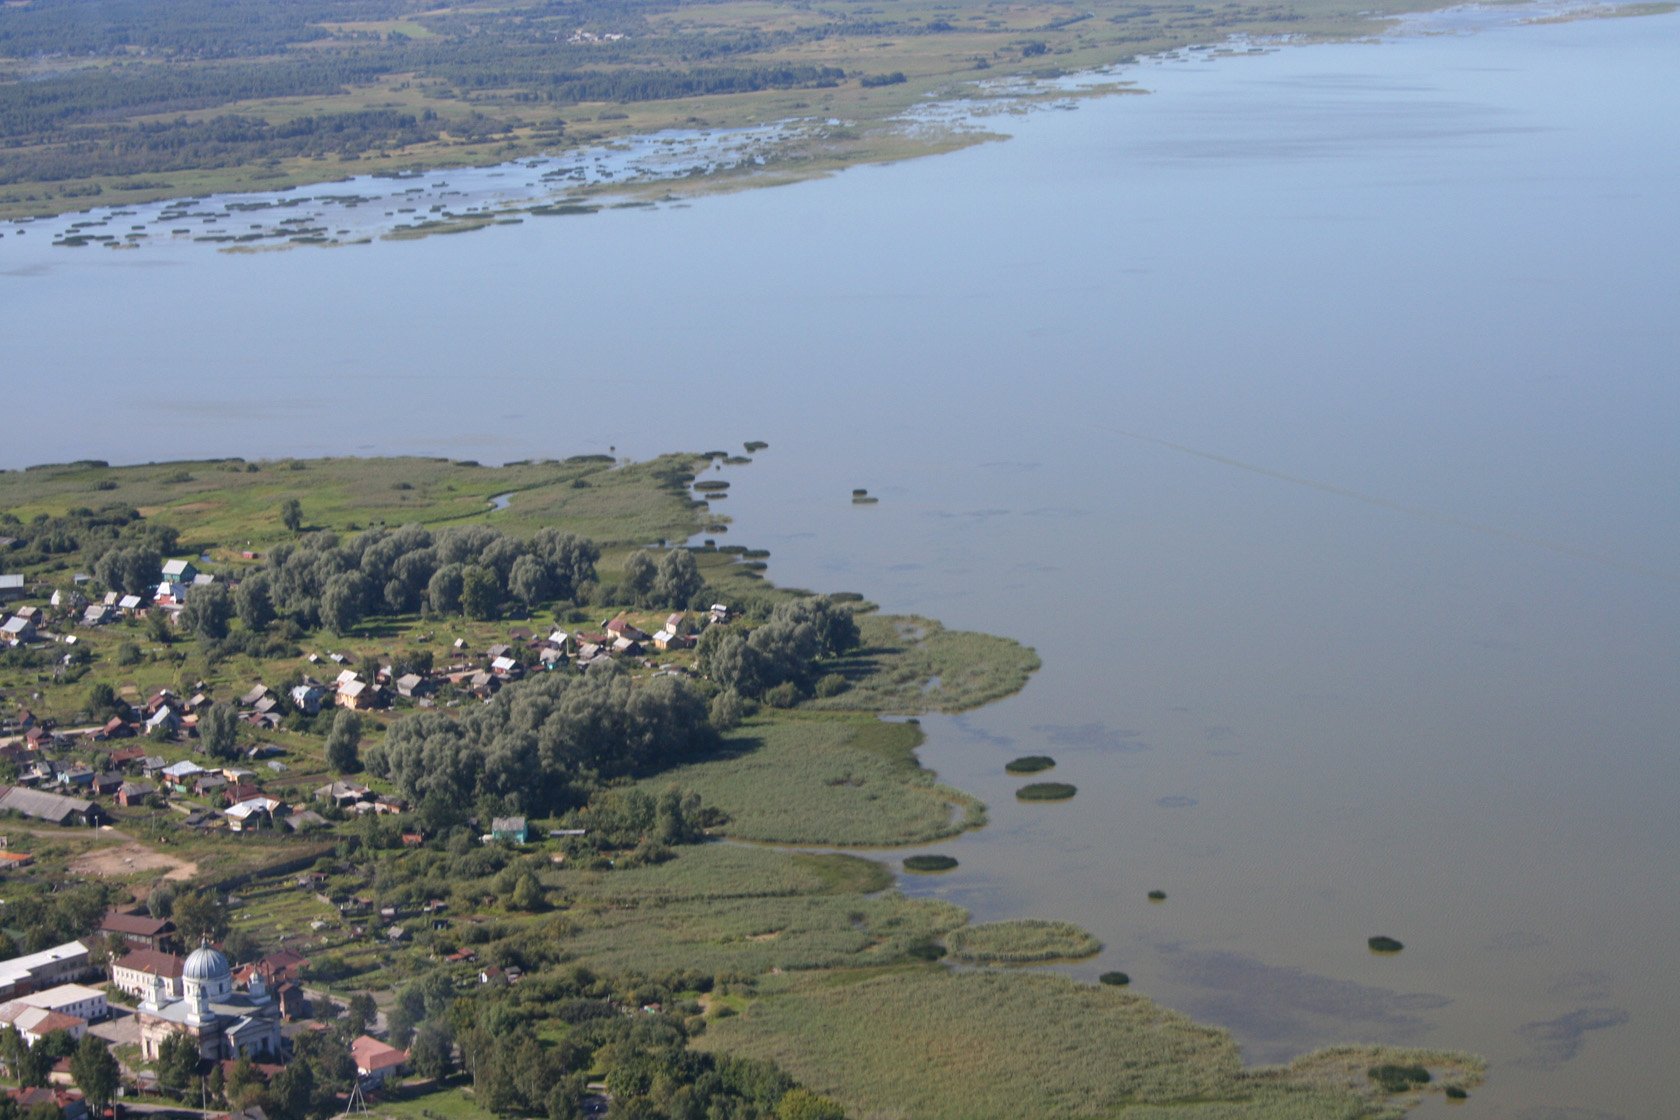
(1456, 1093)
(1114, 979)
(1398, 1079)
(1029, 764)
(1025, 941)
(1046, 791)
(929, 863)
(832, 685)
(926, 951)
(784, 695)
(128, 654)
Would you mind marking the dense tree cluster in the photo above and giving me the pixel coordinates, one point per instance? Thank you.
(544, 745)
(323, 581)
(786, 651)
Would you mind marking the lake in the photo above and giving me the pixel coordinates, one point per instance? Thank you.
(1313, 416)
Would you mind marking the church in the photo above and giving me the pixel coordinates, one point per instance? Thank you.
(224, 1021)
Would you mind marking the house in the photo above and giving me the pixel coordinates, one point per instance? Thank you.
(179, 571)
(98, 614)
(133, 971)
(104, 785)
(69, 1103)
(358, 695)
(180, 775)
(251, 698)
(719, 613)
(133, 794)
(164, 721)
(11, 587)
(170, 594)
(413, 685)
(36, 1023)
(86, 1004)
(115, 728)
(512, 829)
(376, 1061)
(257, 812)
(507, 668)
(207, 784)
(50, 806)
(141, 931)
(342, 794)
(69, 961)
(17, 631)
(307, 698)
(622, 627)
(128, 757)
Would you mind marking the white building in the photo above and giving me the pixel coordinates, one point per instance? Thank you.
(223, 1021)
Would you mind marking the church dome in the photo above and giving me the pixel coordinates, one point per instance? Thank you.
(206, 965)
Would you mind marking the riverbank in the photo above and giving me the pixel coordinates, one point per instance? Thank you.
(402, 107)
(807, 959)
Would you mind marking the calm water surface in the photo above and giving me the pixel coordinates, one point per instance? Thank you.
(1314, 417)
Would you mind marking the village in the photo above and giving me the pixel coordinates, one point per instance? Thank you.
(135, 983)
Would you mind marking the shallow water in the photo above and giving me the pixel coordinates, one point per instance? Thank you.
(1313, 417)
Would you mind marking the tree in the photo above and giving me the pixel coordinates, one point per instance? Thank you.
(241, 946)
(177, 1063)
(255, 602)
(291, 514)
(432, 1050)
(529, 582)
(157, 628)
(569, 557)
(479, 593)
(95, 1072)
(207, 611)
(678, 579)
(342, 742)
(218, 731)
(640, 570)
(343, 602)
(443, 590)
(198, 915)
(358, 1014)
(103, 701)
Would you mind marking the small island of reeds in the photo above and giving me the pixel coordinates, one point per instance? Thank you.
(1114, 979)
(1027, 941)
(927, 864)
(1029, 764)
(1046, 791)
(1384, 944)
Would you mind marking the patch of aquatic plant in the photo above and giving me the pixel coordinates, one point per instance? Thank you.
(712, 484)
(907, 664)
(1046, 791)
(755, 445)
(1114, 979)
(826, 781)
(1157, 896)
(1026, 941)
(1029, 764)
(1036, 1044)
(929, 863)
(1384, 944)
(1392, 1078)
